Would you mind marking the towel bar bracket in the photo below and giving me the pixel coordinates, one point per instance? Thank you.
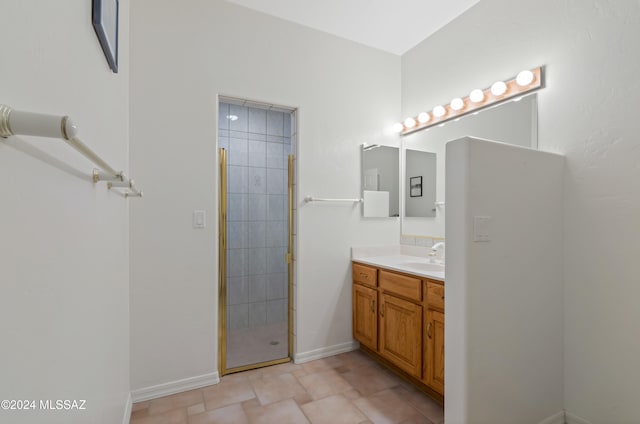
(15, 122)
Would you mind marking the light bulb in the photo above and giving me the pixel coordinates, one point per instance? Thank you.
(424, 117)
(498, 88)
(409, 122)
(439, 111)
(524, 78)
(397, 127)
(476, 95)
(457, 103)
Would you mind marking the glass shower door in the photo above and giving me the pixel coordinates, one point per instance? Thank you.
(255, 220)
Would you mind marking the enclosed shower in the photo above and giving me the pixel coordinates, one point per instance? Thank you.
(256, 148)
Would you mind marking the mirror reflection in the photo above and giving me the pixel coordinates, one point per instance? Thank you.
(380, 181)
(420, 184)
(515, 122)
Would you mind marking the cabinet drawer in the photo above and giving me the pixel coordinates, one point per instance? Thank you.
(365, 274)
(435, 295)
(404, 286)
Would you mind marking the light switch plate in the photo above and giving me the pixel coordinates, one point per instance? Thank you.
(199, 219)
(481, 228)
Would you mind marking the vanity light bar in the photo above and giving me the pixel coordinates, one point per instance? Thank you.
(525, 82)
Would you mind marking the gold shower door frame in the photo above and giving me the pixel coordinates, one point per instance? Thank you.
(222, 271)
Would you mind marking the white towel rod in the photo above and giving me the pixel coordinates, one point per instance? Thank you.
(320, 199)
(15, 122)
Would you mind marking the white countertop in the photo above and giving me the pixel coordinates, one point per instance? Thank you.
(408, 259)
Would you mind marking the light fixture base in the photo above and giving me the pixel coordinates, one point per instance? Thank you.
(501, 91)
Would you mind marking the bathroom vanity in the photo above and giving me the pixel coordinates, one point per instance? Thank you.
(398, 316)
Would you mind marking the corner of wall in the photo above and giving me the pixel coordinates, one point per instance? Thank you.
(574, 419)
(128, 406)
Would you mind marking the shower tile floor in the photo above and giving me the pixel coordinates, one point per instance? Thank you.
(255, 345)
(342, 389)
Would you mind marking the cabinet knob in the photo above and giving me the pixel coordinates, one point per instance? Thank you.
(382, 310)
(429, 329)
(373, 306)
(363, 275)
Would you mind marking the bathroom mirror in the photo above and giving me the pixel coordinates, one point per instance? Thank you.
(380, 181)
(515, 122)
(420, 184)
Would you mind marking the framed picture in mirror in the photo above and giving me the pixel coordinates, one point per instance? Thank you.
(415, 184)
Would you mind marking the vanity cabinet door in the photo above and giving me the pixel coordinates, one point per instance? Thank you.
(434, 352)
(365, 316)
(401, 333)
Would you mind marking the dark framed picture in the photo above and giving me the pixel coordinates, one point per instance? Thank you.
(105, 23)
(415, 186)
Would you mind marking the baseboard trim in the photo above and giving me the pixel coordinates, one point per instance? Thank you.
(173, 387)
(574, 419)
(126, 418)
(558, 418)
(324, 352)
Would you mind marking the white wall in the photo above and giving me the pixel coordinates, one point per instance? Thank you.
(587, 113)
(504, 355)
(64, 250)
(183, 55)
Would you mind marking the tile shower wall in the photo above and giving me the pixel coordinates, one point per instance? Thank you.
(258, 142)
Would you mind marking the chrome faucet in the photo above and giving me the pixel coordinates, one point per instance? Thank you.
(435, 247)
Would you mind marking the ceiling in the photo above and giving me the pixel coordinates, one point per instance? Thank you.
(394, 26)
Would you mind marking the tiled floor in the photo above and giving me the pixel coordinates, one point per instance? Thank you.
(254, 345)
(342, 389)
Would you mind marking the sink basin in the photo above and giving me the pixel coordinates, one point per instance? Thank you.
(423, 266)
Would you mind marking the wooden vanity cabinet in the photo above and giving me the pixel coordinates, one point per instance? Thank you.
(365, 316)
(365, 275)
(400, 319)
(401, 333)
(365, 305)
(433, 362)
